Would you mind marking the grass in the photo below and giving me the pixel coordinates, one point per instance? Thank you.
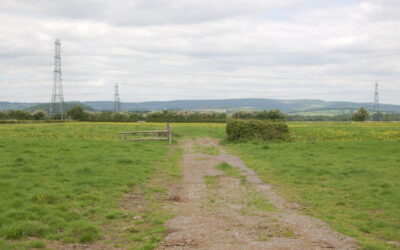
(151, 214)
(231, 171)
(64, 182)
(276, 231)
(210, 180)
(345, 131)
(37, 244)
(344, 173)
(208, 150)
(255, 199)
(258, 201)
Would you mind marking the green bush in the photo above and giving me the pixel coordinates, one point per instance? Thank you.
(15, 115)
(39, 115)
(256, 129)
(360, 115)
(77, 113)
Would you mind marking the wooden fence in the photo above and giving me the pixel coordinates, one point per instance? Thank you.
(161, 135)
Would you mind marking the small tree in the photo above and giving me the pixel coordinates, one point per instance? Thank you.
(360, 115)
(77, 113)
(39, 115)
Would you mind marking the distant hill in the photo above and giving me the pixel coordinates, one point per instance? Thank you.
(15, 105)
(306, 107)
(287, 106)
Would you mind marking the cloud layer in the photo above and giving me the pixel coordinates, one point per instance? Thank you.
(201, 49)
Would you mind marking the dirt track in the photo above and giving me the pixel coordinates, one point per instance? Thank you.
(226, 213)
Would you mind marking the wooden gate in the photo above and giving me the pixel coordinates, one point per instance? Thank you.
(161, 135)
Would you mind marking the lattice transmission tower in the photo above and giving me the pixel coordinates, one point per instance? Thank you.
(117, 101)
(57, 98)
(376, 108)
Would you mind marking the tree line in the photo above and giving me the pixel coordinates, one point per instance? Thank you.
(78, 113)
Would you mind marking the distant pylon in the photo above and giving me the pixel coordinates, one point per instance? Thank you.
(57, 98)
(376, 108)
(117, 101)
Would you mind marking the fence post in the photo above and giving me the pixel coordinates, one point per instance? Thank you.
(169, 133)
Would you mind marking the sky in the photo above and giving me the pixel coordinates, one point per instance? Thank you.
(158, 50)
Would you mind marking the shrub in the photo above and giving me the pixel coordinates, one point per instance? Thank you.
(18, 115)
(39, 115)
(77, 113)
(94, 116)
(361, 115)
(257, 129)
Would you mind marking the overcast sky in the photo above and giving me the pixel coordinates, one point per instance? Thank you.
(201, 49)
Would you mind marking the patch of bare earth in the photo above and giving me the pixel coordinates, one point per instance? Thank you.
(217, 211)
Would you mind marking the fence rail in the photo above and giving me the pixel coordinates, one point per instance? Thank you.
(161, 135)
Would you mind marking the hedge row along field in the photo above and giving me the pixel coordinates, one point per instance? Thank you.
(237, 129)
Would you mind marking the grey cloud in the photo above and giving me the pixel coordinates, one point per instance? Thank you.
(162, 50)
(143, 12)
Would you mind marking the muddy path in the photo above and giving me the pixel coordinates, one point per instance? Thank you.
(221, 211)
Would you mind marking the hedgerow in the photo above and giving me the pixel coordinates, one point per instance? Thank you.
(257, 129)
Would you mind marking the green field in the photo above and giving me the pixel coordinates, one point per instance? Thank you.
(347, 174)
(63, 183)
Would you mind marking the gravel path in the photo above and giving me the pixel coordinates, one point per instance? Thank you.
(217, 211)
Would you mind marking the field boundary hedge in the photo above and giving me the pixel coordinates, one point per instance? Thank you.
(257, 129)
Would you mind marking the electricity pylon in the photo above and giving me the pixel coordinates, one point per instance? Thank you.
(57, 98)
